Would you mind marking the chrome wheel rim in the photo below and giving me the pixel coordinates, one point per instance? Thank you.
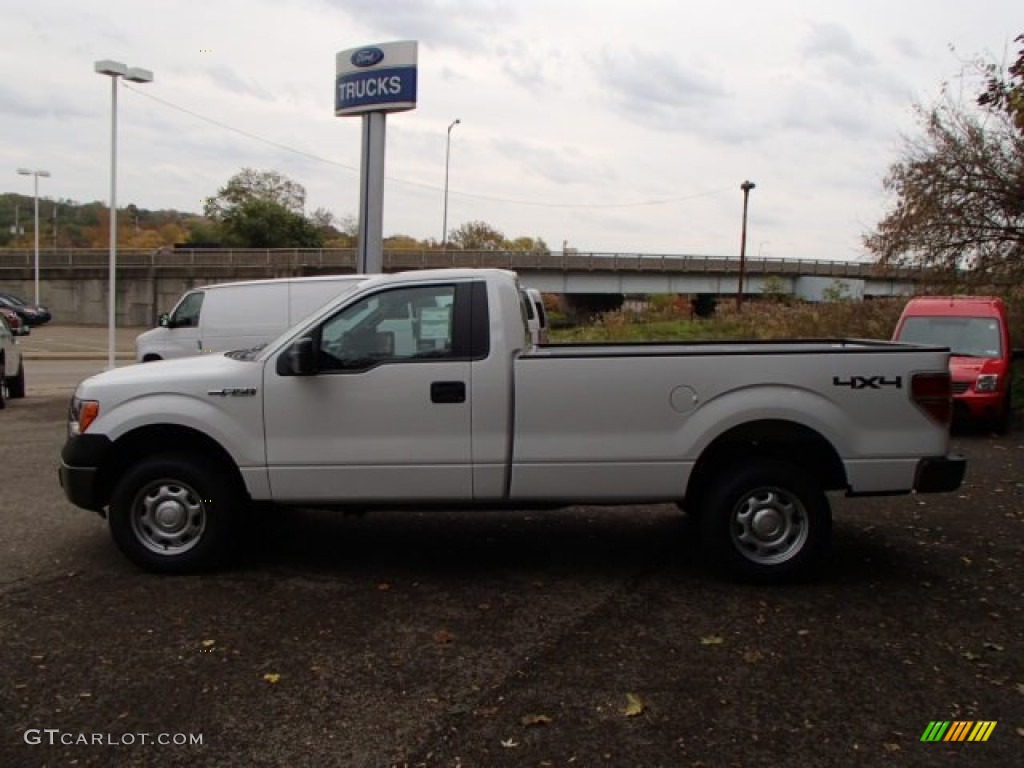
(168, 517)
(769, 526)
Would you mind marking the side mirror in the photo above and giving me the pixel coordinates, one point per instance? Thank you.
(298, 359)
(164, 321)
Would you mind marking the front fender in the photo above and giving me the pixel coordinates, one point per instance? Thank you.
(236, 423)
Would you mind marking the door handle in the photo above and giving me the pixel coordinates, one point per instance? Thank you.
(448, 392)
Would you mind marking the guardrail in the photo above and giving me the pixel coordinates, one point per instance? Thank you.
(297, 259)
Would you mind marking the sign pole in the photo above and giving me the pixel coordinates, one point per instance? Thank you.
(370, 258)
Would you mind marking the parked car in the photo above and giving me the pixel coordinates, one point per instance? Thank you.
(12, 368)
(976, 330)
(18, 326)
(31, 314)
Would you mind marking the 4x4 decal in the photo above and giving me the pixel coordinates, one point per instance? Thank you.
(868, 382)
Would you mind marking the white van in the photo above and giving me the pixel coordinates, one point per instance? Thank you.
(227, 316)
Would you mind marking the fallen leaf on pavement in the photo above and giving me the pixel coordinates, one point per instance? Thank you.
(271, 677)
(529, 720)
(634, 705)
(443, 637)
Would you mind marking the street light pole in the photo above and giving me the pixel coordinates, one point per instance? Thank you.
(746, 186)
(447, 156)
(35, 174)
(114, 70)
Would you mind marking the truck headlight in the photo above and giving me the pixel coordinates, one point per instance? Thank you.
(81, 414)
(987, 382)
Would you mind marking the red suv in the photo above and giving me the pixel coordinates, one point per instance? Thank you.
(976, 330)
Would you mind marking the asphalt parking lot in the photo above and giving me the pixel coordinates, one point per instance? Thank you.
(582, 637)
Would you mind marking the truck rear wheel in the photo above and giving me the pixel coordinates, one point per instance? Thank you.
(766, 521)
(173, 514)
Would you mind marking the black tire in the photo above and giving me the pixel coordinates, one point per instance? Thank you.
(16, 386)
(3, 386)
(172, 514)
(765, 521)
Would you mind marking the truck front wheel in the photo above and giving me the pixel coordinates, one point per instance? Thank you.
(765, 520)
(172, 514)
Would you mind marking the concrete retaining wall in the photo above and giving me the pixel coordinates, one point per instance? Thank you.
(81, 297)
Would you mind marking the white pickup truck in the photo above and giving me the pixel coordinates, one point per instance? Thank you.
(422, 389)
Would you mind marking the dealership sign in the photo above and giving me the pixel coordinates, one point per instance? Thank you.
(375, 78)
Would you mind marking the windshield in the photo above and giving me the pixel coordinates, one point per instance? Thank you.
(965, 336)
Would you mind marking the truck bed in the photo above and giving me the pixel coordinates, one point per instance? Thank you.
(738, 347)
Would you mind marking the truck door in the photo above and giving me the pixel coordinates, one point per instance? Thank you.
(386, 414)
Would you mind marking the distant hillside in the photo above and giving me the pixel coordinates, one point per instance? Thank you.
(68, 224)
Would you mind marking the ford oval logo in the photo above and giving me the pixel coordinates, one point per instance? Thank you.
(367, 57)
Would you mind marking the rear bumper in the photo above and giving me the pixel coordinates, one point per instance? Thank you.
(940, 474)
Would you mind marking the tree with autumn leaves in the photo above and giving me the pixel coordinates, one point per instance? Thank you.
(958, 188)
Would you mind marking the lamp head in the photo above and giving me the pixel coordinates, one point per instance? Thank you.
(110, 67)
(138, 75)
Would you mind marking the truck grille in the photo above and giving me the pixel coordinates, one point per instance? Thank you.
(959, 387)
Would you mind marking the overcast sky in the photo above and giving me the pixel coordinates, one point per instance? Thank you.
(616, 126)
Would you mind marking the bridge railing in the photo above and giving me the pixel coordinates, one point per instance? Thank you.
(297, 259)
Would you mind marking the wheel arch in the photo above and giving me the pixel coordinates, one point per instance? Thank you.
(152, 440)
(776, 439)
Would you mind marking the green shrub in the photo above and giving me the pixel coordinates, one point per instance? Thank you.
(874, 319)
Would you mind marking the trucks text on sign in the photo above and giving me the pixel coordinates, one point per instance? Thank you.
(376, 78)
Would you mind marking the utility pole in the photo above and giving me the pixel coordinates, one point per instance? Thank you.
(746, 186)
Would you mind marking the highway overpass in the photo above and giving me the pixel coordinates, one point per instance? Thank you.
(73, 282)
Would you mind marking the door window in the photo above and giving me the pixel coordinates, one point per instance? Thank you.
(186, 314)
(403, 324)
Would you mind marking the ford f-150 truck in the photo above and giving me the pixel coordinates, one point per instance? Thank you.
(423, 389)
